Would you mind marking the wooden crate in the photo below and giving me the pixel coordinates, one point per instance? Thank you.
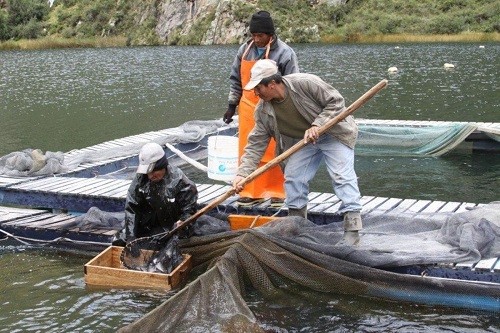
(248, 221)
(106, 270)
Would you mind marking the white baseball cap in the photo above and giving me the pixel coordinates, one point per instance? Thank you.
(261, 69)
(150, 153)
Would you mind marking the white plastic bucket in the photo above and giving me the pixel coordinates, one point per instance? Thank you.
(222, 157)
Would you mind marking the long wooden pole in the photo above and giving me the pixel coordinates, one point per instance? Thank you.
(280, 158)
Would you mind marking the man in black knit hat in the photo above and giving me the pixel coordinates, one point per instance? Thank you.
(159, 196)
(263, 44)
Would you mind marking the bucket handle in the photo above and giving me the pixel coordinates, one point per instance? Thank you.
(216, 137)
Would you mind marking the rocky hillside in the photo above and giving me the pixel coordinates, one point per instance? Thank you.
(184, 22)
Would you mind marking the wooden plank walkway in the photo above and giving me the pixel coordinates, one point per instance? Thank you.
(91, 169)
(80, 190)
(61, 229)
(39, 226)
(79, 194)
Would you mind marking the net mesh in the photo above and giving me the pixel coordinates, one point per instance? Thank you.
(152, 254)
(295, 252)
(411, 141)
(34, 162)
(373, 140)
(161, 253)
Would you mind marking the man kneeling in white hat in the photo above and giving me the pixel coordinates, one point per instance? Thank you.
(160, 195)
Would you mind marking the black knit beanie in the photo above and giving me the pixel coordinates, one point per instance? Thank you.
(262, 22)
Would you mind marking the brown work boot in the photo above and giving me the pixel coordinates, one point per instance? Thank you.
(350, 238)
(352, 221)
(352, 225)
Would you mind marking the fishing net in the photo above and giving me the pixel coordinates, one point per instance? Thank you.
(373, 140)
(95, 218)
(161, 253)
(276, 258)
(411, 141)
(152, 254)
(34, 162)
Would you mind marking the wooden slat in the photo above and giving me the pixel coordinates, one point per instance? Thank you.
(211, 196)
(63, 223)
(327, 205)
(387, 205)
(433, 207)
(210, 189)
(486, 264)
(324, 201)
(496, 268)
(104, 188)
(418, 206)
(312, 196)
(202, 187)
(465, 265)
(45, 223)
(321, 198)
(62, 185)
(465, 207)
(78, 185)
(98, 188)
(373, 204)
(11, 213)
(89, 186)
(35, 183)
(404, 205)
(30, 219)
(450, 207)
(333, 209)
(119, 192)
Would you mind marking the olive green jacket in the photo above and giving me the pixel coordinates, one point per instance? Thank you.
(317, 102)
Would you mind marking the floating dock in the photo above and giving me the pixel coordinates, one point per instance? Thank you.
(53, 202)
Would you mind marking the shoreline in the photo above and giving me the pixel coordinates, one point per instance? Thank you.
(121, 41)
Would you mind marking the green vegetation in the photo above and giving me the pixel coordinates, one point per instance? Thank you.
(415, 17)
(70, 23)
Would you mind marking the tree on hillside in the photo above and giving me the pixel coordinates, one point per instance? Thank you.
(25, 18)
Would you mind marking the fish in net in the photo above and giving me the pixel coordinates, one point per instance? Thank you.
(161, 253)
(153, 254)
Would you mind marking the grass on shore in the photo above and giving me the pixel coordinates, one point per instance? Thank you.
(120, 41)
(59, 43)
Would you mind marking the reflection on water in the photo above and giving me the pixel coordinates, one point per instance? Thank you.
(319, 312)
(67, 99)
(44, 291)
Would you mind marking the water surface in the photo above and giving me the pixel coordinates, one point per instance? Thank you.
(67, 99)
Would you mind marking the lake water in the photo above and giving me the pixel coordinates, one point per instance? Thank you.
(66, 99)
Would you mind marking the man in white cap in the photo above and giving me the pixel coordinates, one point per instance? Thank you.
(159, 196)
(292, 108)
